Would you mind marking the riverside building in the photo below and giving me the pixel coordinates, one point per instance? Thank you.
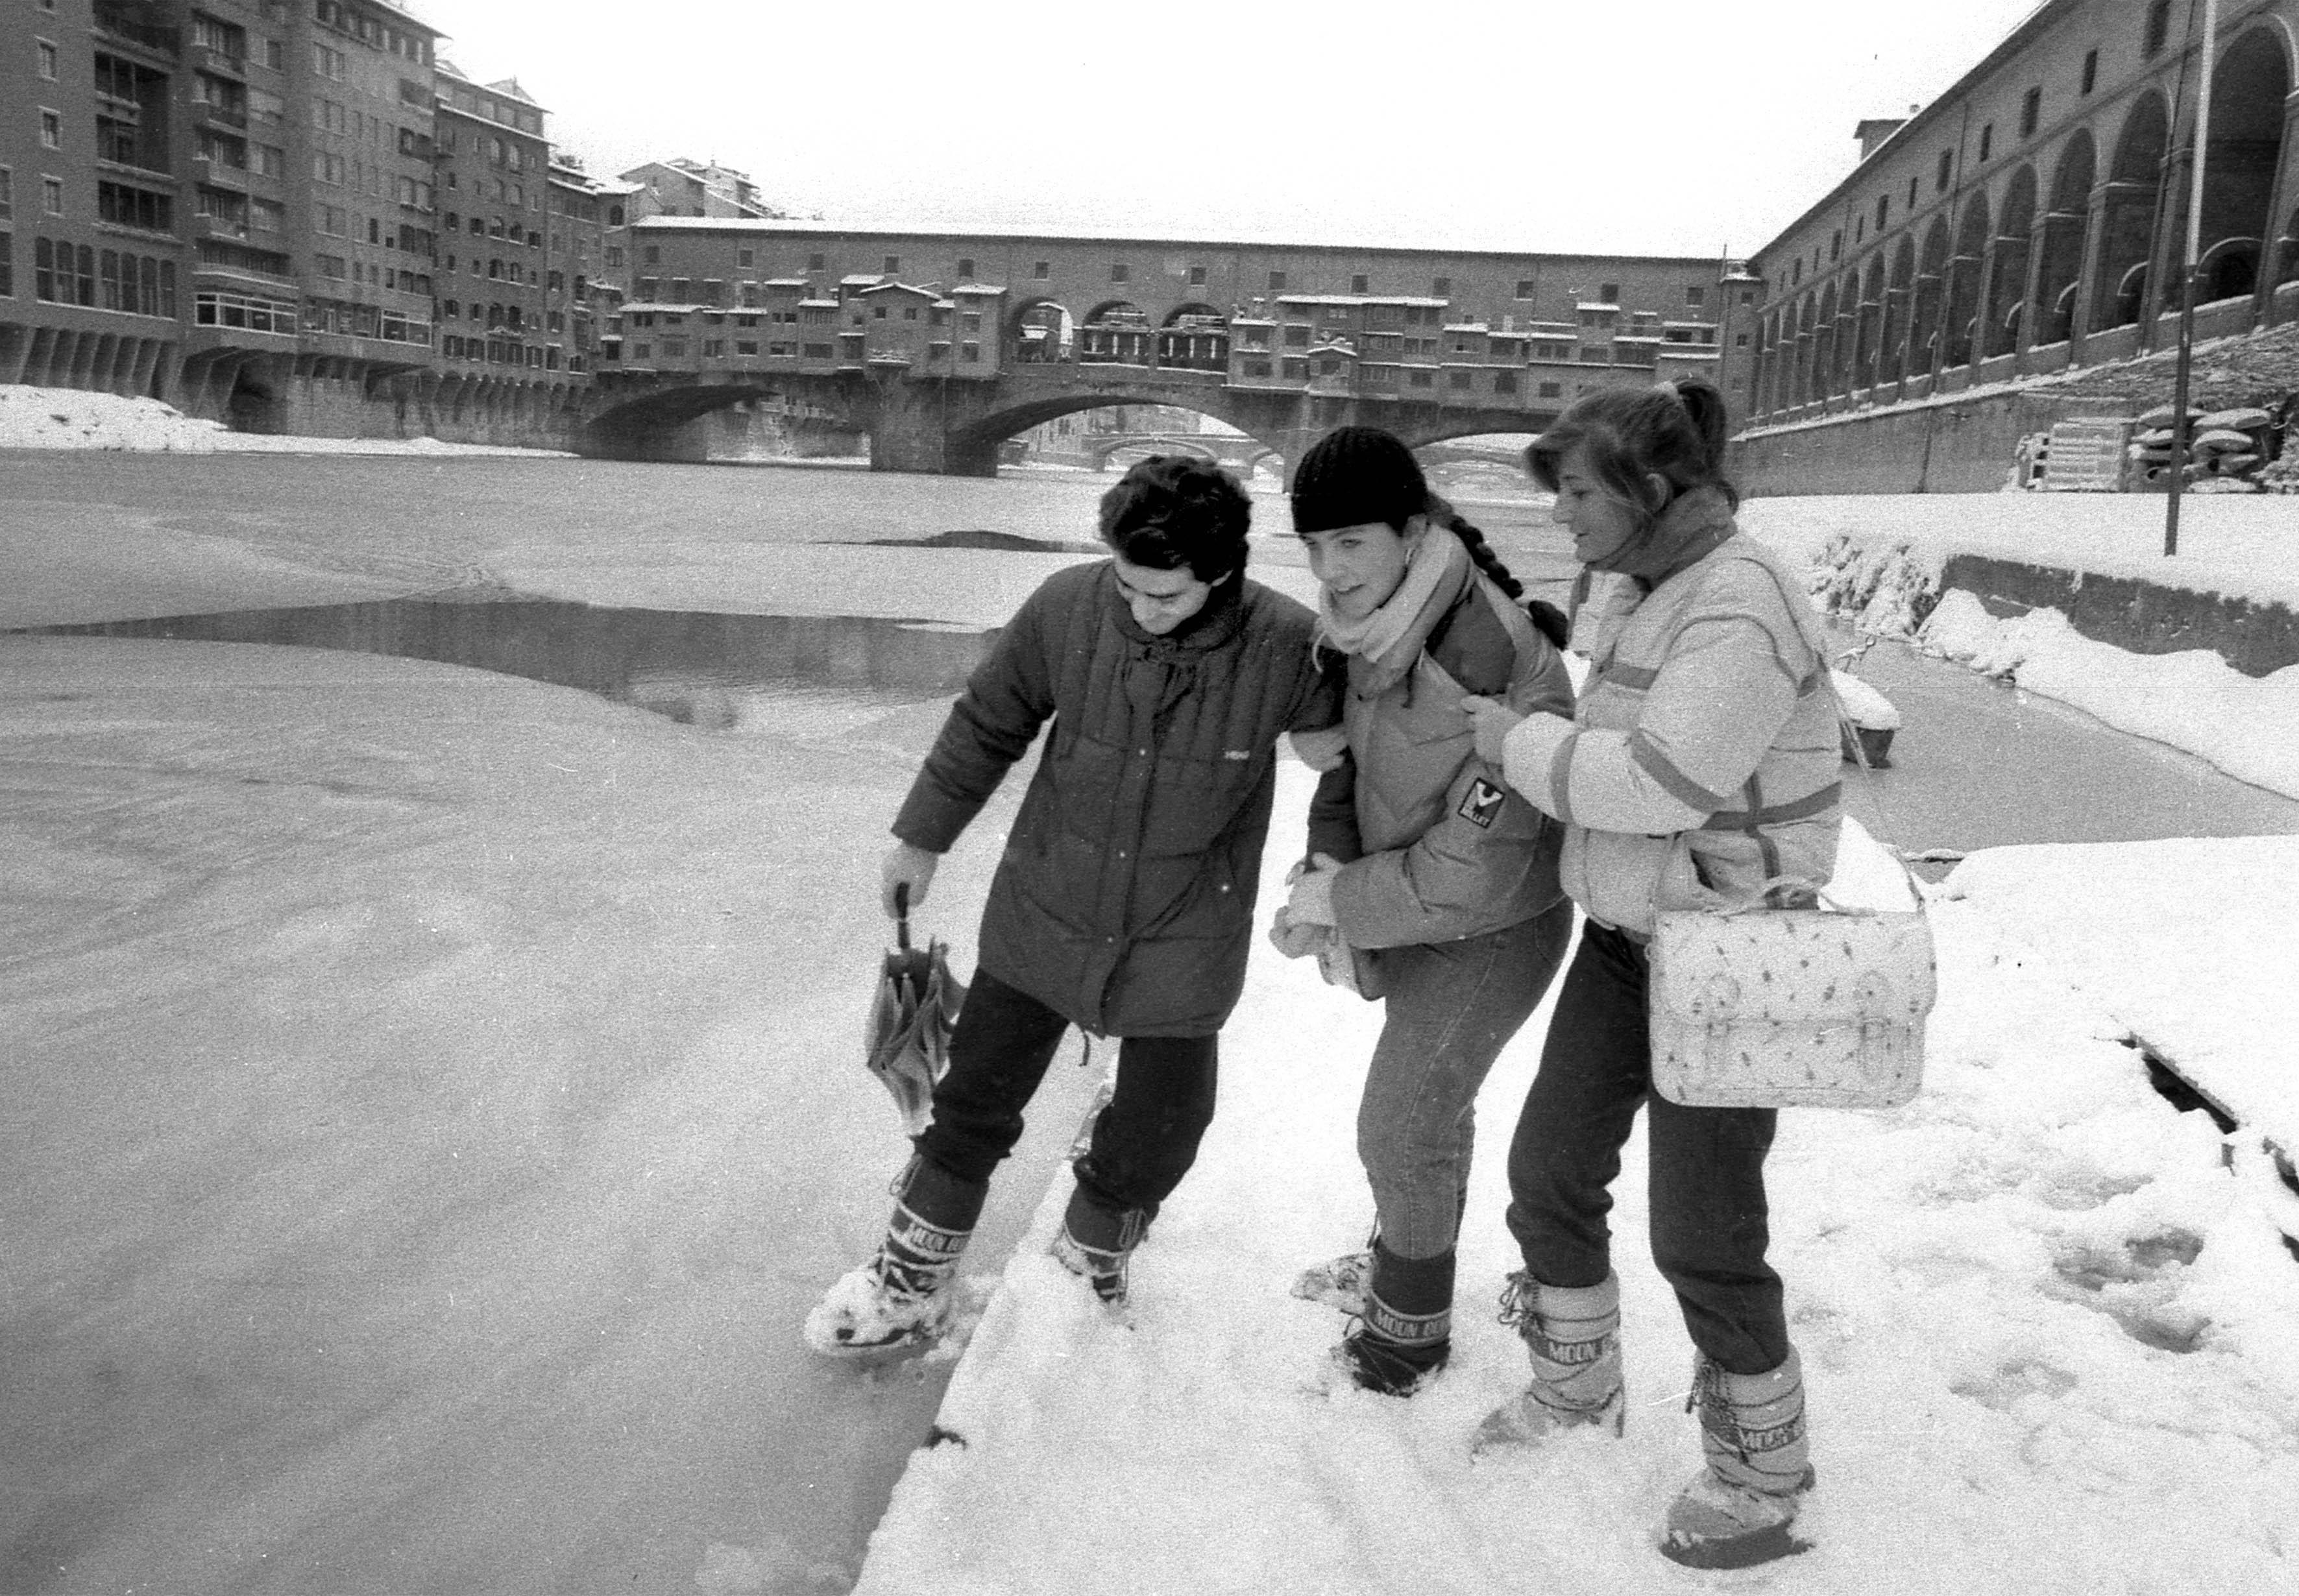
(2032, 219)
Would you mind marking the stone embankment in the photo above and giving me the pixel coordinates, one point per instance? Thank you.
(1881, 588)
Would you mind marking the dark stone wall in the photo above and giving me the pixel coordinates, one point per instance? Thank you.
(2256, 639)
(1962, 446)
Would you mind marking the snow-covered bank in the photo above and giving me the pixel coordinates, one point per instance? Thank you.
(74, 418)
(1888, 553)
(2046, 1332)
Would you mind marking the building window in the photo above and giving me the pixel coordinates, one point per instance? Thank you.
(1504, 382)
(1883, 211)
(1947, 170)
(1524, 289)
(1119, 271)
(1440, 287)
(1360, 284)
(965, 270)
(746, 258)
(52, 129)
(1914, 189)
(1196, 277)
(1276, 282)
(969, 351)
(1835, 250)
(2159, 28)
(2090, 71)
(894, 264)
(52, 196)
(44, 53)
(2031, 112)
(1552, 390)
(1696, 295)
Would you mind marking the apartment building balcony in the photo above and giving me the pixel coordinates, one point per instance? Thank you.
(139, 22)
(208, 113)
(221, 174)
(222, 65)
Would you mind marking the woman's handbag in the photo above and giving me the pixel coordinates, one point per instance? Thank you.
(1758, 1007)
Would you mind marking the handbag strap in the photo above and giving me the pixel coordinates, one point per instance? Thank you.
(1850, 734)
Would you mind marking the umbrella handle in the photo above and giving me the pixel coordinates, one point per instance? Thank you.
(902, 915)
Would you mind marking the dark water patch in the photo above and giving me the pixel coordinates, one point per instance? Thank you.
(982, 537)
(676, 663)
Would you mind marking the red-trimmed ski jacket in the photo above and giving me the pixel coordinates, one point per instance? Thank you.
(1125, 899)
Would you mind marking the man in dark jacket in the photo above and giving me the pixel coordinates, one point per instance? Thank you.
(1124, 904)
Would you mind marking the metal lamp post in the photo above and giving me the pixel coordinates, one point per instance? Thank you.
(2181, 431)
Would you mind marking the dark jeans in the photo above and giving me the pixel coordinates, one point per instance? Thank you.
(1709, 1228)
(1144, 1141)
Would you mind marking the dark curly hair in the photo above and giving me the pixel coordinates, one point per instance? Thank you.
(1173, 511)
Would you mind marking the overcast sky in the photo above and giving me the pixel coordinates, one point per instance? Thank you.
(1644, 127)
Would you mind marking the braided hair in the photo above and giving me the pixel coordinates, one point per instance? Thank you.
(1354, 475)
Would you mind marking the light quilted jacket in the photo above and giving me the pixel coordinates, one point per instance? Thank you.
(1702, 759)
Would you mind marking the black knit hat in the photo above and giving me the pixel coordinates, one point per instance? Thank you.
(1354, 474)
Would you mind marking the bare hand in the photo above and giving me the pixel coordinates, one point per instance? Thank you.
(906, 866)
(1494, 721)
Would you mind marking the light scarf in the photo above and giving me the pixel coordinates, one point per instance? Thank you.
(1390, 639)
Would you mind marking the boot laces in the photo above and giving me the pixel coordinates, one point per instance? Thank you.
(1518, 1298)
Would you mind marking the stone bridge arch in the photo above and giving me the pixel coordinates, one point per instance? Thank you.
(1092, 388)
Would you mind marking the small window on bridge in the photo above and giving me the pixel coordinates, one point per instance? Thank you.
(1196, 277)
(969, 351)
(1276, 282)
(1440, 287)
(894, 263)
(1119, 271)
(1524, 289)
(1042, 271)
(1360, 284)
(814, 262)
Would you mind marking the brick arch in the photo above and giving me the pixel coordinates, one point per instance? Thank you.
(1965, 268)
(2006, 309)
(1900, 291)
(1927, 312)
(2249, 86)
(1868, 317)
(1823, 344)
(2135, 176)
(2065, 230)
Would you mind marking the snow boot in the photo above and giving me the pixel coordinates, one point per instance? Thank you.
(1739, 1511)
(1404, 1332)
(1096, 1241)
(901, 1299)
(1573, 1334)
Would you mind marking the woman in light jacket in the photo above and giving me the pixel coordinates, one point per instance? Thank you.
(1437, 883)
(1701, 764)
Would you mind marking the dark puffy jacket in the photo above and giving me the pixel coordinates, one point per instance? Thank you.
(1125, 899)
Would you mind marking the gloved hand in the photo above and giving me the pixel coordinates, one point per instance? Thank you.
(1294, 939)
(1311, 900)
(1494, 722)
(909, 866)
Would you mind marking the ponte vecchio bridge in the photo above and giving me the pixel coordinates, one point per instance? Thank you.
(940, 345)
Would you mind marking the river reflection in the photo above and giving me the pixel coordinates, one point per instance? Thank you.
(696, 667)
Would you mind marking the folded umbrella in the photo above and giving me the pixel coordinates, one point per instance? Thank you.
(906, 1040)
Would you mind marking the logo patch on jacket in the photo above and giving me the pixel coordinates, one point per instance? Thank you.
(1482, 803)
(1240, 754)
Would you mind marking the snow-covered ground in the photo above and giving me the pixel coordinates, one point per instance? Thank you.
(437, 1101)
(72, 419)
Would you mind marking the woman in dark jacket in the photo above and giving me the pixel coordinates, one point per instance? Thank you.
(1447, 896)
(1124, 904)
